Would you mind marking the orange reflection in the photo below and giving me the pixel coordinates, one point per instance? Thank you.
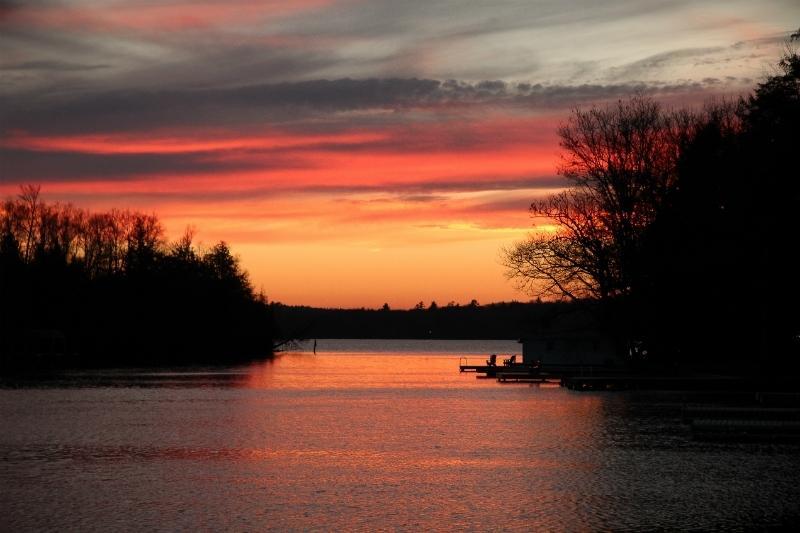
(408, 427)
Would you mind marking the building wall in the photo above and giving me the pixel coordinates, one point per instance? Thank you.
(568, 351)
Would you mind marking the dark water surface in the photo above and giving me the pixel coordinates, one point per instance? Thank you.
(370, 435)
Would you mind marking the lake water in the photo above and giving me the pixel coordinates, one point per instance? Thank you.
(370, 435)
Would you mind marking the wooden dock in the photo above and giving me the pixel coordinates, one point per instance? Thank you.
(524, 377)
(650, 382)
(777, 389)
(481, 369)
(508, 366)
(503, 372)
(739, 423)
(687, 382)
(528, 373)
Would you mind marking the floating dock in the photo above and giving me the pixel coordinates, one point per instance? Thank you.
(687, 382)
(519, 377)
(649, 382)
(513, 372)
(503, 372)
(781, 390)
(480, 369)
(739, 423)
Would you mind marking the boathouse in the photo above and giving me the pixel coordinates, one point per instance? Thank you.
(578, 349)
(571, 339)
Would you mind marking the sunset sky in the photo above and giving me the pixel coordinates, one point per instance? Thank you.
(352, 152)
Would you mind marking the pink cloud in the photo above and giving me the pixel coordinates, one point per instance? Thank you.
(186, 143)
(147, 17)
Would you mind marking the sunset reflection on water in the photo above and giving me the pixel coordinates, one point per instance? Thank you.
(363, 440)
(406, 436)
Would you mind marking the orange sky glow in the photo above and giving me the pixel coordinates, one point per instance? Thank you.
(363, 218)
(352, 153)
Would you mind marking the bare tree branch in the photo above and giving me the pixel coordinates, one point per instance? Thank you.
(622, 162)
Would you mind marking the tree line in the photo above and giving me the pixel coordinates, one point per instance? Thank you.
(682, 224)
(107, 288)
(504, 320)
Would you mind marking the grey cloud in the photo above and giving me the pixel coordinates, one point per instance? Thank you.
(144, 109)
(33, 45)
(52, 66)
(446, 19)
(410, 29)
(654, 64)
(776, 38)
(658, 61)
(516, 205)
(473, 184)
(7, 6)
(376, 38)
(18, 165)
(420, 192)
(270, 103)
(422, 198)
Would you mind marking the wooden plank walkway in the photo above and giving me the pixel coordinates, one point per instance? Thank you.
(724, 412)
(482, 369)
(648, 382)
(697, 382)
(521, 377)
(740, 423)
(495, 370)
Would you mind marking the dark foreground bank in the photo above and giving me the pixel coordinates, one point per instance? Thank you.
(106, 289)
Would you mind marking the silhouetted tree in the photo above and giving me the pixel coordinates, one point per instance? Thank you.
(111, 287)
(28, 210)
(225, 268)
(719, 258)
(144, 242)
(620, 162)
(683, 223)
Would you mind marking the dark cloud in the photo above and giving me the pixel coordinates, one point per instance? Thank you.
(422, 198)
(513, 205)
(571, 95)
(409, 192)
(473, 184)
(18, 165)
(51, 66)
(7, 6)
(44, 45)
(290, 102)
(380, 38)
